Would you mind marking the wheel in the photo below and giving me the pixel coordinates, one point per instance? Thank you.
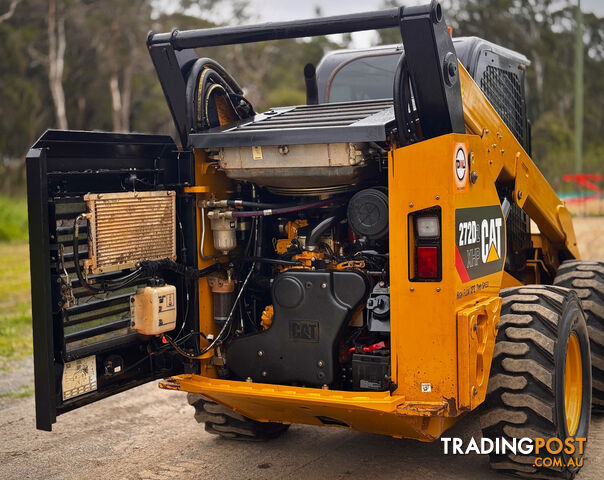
(540, 380)
(220, 420)
(587, 279)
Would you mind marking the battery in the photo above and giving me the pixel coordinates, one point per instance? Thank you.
(370, 372)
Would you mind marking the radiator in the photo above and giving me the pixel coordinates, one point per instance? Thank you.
(126, 228)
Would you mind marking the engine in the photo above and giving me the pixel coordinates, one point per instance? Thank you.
(305, 298)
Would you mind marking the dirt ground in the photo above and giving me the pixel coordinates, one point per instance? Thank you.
(149, 434)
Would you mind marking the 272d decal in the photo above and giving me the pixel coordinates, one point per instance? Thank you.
(479, 241)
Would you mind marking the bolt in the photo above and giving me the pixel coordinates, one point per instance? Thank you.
(411, 205)
(437, 197)
(264, 374)
(283, 149)
(323, 285)
(320, 364)
(519, 194)
(325, 387)
(473, 176)
(260, 353)
(249, 380)
(411, 289)
(474, 391)
(438, 289)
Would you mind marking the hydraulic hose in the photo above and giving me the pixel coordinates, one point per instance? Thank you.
(206, 83)
(316, 232)
(283, 210)
(402, 101)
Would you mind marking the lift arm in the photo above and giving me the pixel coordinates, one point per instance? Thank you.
(509, 161)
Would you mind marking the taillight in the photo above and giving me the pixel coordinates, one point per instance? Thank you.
(425, 245)
(427, 263)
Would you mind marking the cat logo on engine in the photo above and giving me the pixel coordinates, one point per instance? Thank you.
(480, 241)
(304, 331)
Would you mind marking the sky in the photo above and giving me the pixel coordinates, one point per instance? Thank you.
(275, 10)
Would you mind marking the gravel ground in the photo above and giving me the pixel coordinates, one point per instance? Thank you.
(150, 434)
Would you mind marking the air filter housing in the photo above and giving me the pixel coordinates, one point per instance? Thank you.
(127, 228)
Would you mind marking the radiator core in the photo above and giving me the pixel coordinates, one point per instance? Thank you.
(127, 228)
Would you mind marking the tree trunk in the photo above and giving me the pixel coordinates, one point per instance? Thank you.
(114, 81)
(11, 11)
(56, 62)
(127, 96)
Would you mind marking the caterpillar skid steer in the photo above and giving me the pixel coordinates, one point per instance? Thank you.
(363, 261)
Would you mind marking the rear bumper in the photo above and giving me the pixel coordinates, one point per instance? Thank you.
(376, 412)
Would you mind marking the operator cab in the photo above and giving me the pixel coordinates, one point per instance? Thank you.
(368, 74)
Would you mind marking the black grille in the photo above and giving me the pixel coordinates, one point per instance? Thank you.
(340, 114)
(366, 121)
(504, 91)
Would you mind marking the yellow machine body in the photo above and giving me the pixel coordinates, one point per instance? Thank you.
(442, 332)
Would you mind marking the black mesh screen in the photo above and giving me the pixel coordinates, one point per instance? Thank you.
(504, 91)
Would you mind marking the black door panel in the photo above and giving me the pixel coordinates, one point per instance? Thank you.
(84, 348)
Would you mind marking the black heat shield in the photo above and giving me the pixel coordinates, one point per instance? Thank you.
(430, 55)
(311, 309)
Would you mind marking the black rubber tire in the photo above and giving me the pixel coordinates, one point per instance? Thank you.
(587, 280)
(525, 396)
(220, 420)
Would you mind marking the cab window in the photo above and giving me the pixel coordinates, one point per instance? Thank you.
(366, 78)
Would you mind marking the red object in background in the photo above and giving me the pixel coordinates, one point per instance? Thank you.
(584, 180)
(427, 262)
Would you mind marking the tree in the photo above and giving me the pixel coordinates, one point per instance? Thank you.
(56, 61)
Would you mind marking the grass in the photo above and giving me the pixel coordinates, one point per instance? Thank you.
(23, 392)
(13, 219)
(15, 305)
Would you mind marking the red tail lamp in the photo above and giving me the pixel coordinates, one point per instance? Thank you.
(427, 262)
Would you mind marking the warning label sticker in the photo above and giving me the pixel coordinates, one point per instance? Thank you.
(79, 377)
(479, 241)
(460, 167)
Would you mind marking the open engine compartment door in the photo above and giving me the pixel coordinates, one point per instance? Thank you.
(85, 346)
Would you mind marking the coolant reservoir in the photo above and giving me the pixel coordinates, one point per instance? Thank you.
(153, 309)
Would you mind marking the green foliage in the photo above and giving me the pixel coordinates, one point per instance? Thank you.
(23, 392)
(15, 310)
(13, 219)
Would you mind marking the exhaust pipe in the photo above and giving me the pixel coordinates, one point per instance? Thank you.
(310, 78)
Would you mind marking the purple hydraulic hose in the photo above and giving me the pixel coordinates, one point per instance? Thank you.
(280, 211)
